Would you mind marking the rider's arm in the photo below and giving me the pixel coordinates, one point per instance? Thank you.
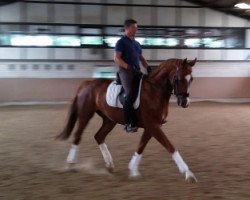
(143, 61)
(119, 61)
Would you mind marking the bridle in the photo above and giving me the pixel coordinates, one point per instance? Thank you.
(175, 81)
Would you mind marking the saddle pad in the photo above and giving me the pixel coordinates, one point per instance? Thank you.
(112, 95)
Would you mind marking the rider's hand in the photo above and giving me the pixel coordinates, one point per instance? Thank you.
(134, 70)
(129, 67)
(149, 69)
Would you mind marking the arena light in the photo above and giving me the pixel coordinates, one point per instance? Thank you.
(111, 41)
(28, 40)
(242, 5)
(192, 42)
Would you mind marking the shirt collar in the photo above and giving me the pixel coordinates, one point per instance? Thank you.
(128, 38)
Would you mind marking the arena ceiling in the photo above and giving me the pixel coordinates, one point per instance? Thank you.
(226, 6)
(4, 2)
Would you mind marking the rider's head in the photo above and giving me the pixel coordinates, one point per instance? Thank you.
(130, 27)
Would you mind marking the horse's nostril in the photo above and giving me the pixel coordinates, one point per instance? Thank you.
(184, 102)
(179, 101)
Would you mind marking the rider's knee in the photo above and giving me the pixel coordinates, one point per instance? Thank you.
(129, 100)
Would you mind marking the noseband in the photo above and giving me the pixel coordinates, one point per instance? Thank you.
(176, 80)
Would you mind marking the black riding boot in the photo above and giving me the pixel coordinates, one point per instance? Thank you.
(129, 115)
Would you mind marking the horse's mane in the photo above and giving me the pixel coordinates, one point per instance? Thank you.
(165, 66)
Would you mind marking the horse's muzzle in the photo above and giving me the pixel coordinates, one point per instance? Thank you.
(183, 101)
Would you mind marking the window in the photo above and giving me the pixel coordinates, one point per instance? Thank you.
(68, 41)
(111, 41)
(4, 40)
(91, 40)
(30, 40)
(167, 42)
(213, 42)
(42, 40)
(192, 42)
(104, 36)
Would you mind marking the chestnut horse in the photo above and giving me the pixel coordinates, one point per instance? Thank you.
(173, 75)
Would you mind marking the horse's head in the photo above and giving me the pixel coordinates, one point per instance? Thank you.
(181, 80)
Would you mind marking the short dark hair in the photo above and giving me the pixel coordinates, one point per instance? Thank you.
(129, 22)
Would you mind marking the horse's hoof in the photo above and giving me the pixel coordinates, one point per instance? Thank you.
(134, 174)
(191, 180)
(110, 169)
(71, 167)
(190, 177)
(134, 177)
(163, 121)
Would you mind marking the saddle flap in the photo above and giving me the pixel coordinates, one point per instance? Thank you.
(112, 95)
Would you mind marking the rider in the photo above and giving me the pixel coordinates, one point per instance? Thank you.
(128, 54)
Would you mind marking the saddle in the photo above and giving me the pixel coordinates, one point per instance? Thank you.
(115, 95)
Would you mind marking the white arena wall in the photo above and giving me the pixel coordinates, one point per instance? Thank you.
(49, 81)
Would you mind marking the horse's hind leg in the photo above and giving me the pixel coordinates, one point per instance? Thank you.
(86, 112)
(73, 153)
(100, 136)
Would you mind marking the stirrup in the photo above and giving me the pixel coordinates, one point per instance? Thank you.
(130, 129)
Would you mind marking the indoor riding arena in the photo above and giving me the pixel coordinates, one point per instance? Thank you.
(49, 48)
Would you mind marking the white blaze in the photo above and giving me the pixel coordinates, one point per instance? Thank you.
(188, 78)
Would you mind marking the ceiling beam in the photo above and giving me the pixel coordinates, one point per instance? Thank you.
(5, 2)
(228, 10)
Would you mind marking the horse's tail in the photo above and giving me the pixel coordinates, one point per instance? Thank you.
(71, 121)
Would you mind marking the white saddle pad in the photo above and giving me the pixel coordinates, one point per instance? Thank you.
(112, 95)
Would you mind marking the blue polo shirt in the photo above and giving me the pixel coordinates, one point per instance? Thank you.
(130, 51)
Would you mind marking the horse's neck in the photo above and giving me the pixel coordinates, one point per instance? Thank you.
(161, 85)
(161, 76)
(163, 93)
(162, 72)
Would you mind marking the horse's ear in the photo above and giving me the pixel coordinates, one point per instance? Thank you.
(184, 62)
(192, 63)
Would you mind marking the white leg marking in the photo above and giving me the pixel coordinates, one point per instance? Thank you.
(134, 164)
(73, 154)
(106, 155)
(183, 168)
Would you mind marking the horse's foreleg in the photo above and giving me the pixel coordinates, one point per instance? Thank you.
(146, 136)
(136, 158)
(100, 136)
(159, 135)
